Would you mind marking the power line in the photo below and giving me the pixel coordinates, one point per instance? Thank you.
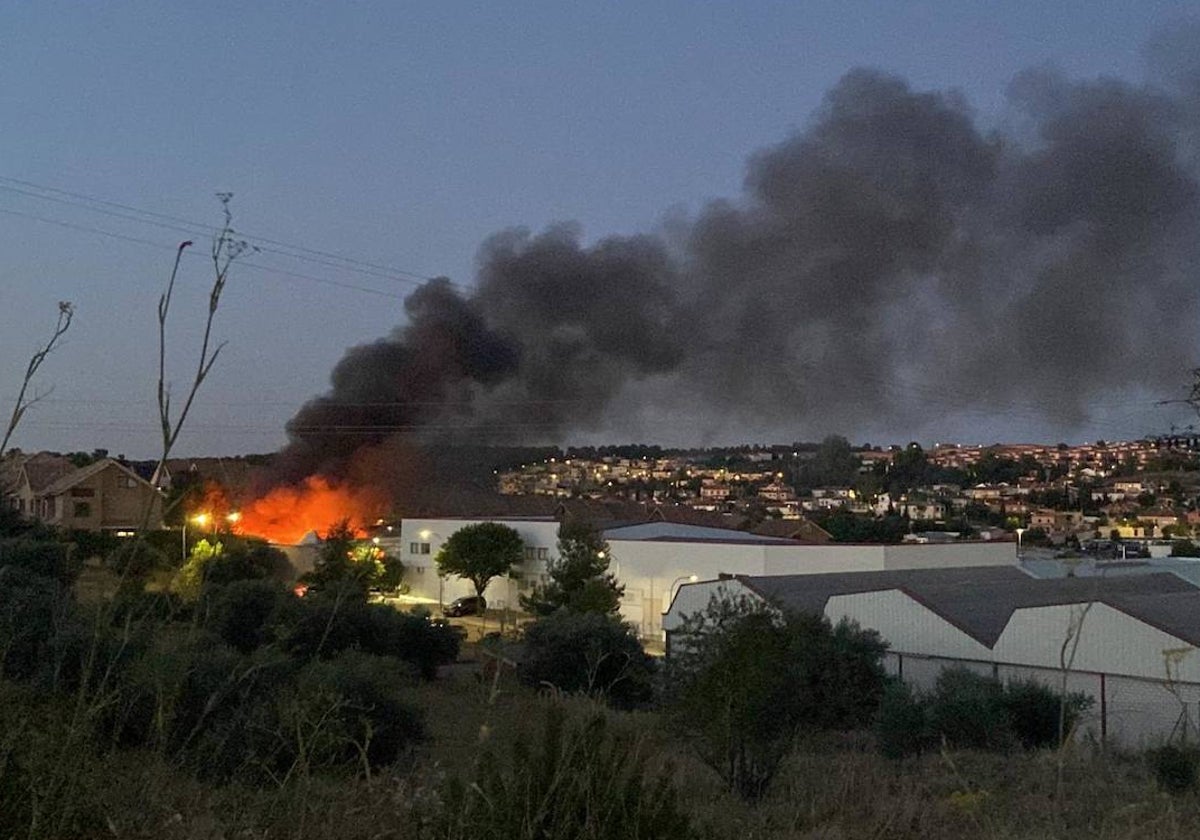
(172, 222)
(241, 263)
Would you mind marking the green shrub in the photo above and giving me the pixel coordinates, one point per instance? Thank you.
(580, 780)
(325, 624)
(347, 712)
(89, 544)
(47, 558)
(744, 680)
(970, 711)
(219, 563)
(1033, 711)
(1175, 767)
(245, 613)
(32, 608)
(587, 653)
(901, 726)
(967, 711)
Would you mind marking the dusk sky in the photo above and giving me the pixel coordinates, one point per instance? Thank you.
(402, 135)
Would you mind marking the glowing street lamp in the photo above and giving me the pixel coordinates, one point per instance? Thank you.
(1020, 531)
(678, 581)
(200, 519)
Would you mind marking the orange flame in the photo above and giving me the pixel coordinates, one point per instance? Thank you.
(286, 514)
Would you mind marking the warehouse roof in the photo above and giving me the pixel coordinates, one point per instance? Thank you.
(980, 601)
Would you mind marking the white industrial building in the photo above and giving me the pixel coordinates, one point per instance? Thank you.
(653, 559)
(1134, 638)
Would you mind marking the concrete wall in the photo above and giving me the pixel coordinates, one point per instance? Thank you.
(928, 556)
(540, 535)
(651, 570)
(906, 625)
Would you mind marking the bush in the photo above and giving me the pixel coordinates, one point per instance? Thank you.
(744, 680)
(901, 726)
(89, 544)
(346, 712)
(579, 781)
(47, 558)
(970, 711)
(1033, 710)
(967, 711)
(32, 608)
(244, 613)
(587, 653)
(1174, 768)
(323, 625)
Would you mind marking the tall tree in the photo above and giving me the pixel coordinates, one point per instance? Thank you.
(579, 579)
(481, 552)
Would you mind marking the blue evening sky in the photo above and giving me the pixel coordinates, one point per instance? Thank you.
(402, 134)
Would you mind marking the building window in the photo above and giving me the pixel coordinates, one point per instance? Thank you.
(82, 492)
(529, 554)
(83, 510)
(418, 548)
(543, 554)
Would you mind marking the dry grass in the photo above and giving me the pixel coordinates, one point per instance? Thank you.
(832, 787)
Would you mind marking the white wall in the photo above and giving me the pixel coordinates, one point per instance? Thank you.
(692, 598)
(821, 559)
(905, 624)
(1139, 706)
(1109, 641)
(420, 570)
(945, 555)
(651, 570)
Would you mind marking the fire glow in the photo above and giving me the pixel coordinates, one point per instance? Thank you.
(287, 513)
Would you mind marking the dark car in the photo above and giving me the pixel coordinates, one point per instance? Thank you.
(471, 605)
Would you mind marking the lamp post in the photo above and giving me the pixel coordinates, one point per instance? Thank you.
(200, 519)
(679, 580)
(1020, 531)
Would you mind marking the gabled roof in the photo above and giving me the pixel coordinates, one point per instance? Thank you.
(804, 530)
(80, 475)
(980, 601)
(41, 470)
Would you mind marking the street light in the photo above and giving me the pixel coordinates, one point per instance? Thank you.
(1020, 531)
(200, 519)
(679, 580)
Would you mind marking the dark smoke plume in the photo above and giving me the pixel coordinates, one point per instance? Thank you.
(890, 267)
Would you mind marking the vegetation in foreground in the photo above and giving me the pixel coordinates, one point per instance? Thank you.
(231, 708)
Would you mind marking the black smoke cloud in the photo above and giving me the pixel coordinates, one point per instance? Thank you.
(891, 266)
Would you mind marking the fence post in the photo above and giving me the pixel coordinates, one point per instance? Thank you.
(1103, 710)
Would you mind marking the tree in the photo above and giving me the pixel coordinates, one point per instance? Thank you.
(480, 552)
(221, 563)
(834, 464)
(346, 559)
(746, 679)
(587, 653)
(579, 579)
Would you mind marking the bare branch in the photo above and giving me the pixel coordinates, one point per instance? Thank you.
(226, 248)
(66, 312)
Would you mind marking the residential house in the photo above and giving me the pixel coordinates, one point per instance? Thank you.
(103, 496)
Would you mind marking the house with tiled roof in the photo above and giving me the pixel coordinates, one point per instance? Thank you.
(103, 496)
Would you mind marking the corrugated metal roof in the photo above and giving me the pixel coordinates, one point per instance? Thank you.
(980, 601)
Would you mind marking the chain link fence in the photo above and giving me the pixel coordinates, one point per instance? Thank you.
(1126, 711)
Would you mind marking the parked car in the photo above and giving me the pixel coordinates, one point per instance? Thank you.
(471, 605)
